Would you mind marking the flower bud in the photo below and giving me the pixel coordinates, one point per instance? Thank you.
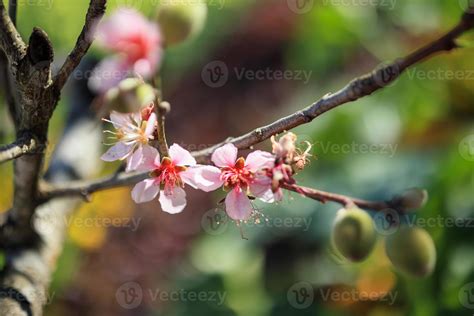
(411, 199)
(411, 251)
(130, 96)
(353, 234)
(180, 21)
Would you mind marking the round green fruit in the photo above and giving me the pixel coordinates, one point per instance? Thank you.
(181, 20)
(411, 251)
(412, 199)
(353, 234)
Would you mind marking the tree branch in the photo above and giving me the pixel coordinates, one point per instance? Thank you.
(20, 147)
(86, 188)
(346, 201)
(84, 41)
(356, 89)
(10, 39)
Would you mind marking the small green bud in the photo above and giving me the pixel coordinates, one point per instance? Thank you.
(181, 20)
(353, 234)
(412, 251)
(411, 199)
(130, 95)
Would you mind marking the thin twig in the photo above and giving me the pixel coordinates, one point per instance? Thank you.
(356, 89)
(84, 41)
(161, 109)
(86, 188)
(346, 201)
(20, 147)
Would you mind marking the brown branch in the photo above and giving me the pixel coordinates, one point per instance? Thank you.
(10, 39)
(346, 201)
(20, 147)
(84, 41)
(356, 89)
(86, 188)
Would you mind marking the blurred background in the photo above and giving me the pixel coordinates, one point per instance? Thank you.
(275, 57)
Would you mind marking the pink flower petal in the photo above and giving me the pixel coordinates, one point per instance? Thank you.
(206, 178)
(145, 191)
(238, 205)
(225, 156)
(262, 188)
(120, 120)
(143, 159)
(173, 201)
(150, 125)
(118, 151)
(258, 160)
(180, 156)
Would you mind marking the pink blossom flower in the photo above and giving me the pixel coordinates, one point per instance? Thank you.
(133, 132)
(137, 43)
(168, 177)
(241, 177)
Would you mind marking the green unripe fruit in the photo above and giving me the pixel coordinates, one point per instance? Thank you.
(412, 251)
(411, 199)
(130, 96)
(353, 234)
(180, 20)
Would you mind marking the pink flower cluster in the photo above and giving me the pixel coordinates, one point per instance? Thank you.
(137, 44)
(257, 176)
